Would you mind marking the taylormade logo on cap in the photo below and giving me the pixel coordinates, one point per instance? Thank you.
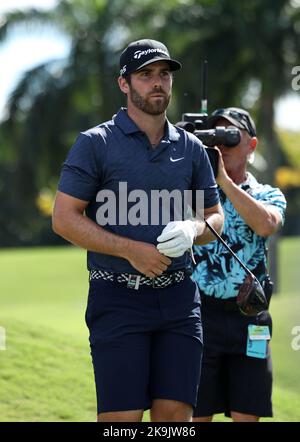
(139, 54)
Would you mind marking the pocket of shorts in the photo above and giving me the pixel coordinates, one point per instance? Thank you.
(90, 308)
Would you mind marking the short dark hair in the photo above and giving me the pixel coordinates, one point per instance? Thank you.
(128, 79)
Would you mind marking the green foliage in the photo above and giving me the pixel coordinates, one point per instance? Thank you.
(291, 141)
(250, 46)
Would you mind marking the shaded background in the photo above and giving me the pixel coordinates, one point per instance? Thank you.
(251, 48)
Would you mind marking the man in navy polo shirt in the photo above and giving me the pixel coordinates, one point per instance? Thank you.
(143, 310)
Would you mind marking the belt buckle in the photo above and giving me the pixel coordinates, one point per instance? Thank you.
(133, 282)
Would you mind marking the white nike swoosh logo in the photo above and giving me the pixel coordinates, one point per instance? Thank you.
(176, 159)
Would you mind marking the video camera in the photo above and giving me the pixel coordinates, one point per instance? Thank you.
(196, 123)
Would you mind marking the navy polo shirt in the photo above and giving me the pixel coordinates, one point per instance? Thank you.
(117, 151)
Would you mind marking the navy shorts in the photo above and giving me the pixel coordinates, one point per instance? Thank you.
(145, 344)
(230, 380)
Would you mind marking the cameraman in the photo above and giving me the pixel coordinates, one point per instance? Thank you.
(236, 378)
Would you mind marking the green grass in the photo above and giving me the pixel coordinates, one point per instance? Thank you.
(46, 371)
(45, 376)
(45, 286)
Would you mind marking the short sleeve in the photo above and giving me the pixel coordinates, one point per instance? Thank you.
(81, 172)
(272, 196)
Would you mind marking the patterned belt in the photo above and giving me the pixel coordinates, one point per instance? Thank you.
(134, 281)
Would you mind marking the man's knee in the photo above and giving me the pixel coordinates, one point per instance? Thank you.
(241, 417)
(203, 419)
(121, 416)
(164, 410)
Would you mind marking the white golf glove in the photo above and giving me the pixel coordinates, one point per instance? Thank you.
(176, 238)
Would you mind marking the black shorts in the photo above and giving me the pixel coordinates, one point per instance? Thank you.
(230, 380)
(146, 344)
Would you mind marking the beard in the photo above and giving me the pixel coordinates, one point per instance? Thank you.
(154, 107)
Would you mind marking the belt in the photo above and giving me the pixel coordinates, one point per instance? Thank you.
(134, 281)
(226, 305)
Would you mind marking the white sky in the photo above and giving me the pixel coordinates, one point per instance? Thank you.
(23, 51)
(287, 111)
(6, 5)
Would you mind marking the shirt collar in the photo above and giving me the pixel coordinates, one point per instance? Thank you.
(250, 181)
(171, 132)
(128, 126)
(125, 123)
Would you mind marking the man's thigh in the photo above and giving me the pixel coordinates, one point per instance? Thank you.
(175, 367)
(121, 369)
(212, 392)
(250, 378)
(250, 386)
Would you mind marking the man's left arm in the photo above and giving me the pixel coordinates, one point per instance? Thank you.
(264, 219)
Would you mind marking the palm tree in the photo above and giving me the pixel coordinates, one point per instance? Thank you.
(245, 43)
(57, 99)
(54, 101)
(251, 48)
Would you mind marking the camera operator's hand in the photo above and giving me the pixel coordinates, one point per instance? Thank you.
(177, 237)
(222, 176)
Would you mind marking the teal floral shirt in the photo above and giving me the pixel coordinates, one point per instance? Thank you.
(217, 273)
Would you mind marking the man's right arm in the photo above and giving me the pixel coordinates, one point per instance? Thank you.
(69, 221)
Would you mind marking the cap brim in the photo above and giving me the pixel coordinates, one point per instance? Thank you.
(174, 64)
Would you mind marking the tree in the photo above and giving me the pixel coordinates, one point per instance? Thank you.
(250, 46)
